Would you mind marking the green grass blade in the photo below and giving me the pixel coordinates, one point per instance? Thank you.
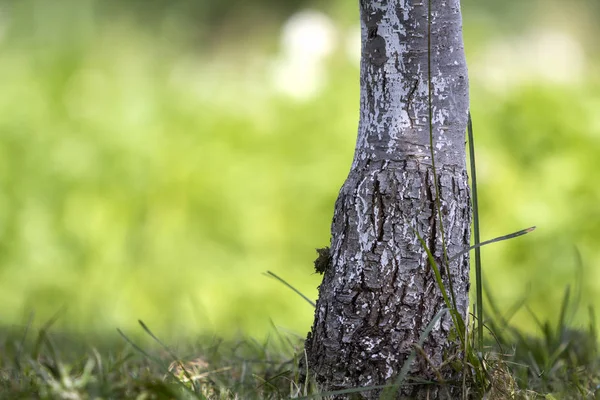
(161, 364)
(456, 317)
(44, 331)
(390, 392)
(169, 352)
(576, 302)
(431, 149)
(299, 293)
(21, 346)
(497, 239)
(561, 324)
(476, 238)
(436, 270)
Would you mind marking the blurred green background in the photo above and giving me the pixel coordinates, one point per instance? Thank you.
(157, 156)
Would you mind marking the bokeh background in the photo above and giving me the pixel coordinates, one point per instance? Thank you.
(157, 156)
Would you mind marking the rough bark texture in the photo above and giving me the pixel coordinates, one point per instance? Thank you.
(378, 292)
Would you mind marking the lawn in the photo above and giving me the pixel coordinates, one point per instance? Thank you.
(146, 174)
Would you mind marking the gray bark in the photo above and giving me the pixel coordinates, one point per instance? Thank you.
(378, 291)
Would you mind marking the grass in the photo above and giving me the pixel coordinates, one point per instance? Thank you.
(52, 366)
(562, 362)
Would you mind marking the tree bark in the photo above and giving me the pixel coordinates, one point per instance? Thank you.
(379, 292)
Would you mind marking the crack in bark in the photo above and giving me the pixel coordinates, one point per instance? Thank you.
(378, 208)
(432, 242)
(409, 100)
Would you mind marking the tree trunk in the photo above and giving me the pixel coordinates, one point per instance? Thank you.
(379, 292)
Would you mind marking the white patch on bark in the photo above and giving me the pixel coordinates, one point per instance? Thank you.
(439, 85)
(389, 369)
(370, 343)
(365, 230)
(440, 115)
(385, 257)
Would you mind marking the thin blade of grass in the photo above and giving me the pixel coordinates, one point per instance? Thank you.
(518, 305)
(299, 293)
(391, 391)
(169, 352)
(21, 345)
(160, 364)
(575, 303)
(560, 325)
(436, 270)
(438, 204)
(284, 341)
(456, 318)
(120, 362)
(99, 363)
(593, 327)
(140, 350)
(43, 331)
(476, 238)
(496, 322)
(498, 239)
